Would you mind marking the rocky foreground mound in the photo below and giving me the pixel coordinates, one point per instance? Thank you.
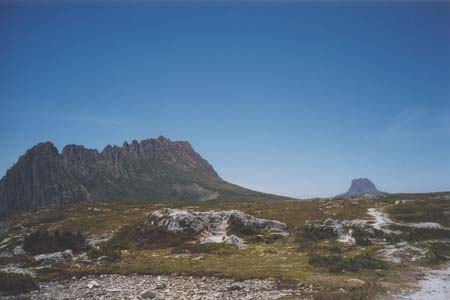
(175, 227)
(212, 226)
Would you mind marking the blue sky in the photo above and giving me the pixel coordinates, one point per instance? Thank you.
(289, 98)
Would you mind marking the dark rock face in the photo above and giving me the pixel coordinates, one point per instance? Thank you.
(362, 186)
(150, 170)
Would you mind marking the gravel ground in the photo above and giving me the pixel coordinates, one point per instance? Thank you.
(119, 287)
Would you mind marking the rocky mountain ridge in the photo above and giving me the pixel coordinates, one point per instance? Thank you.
(153, 170)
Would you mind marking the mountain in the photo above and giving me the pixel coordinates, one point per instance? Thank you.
(153, 170)
(360, 187)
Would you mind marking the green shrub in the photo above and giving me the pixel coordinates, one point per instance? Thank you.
(40, 242)
(419, 234)
(361, 236)
(17, 259)
(439, 252)
(266, 238)
(312, 232)
(355, 293)
(104, 251)
(15, 283)
(129, 237)
(324, 261)
(286, 283)
(337, 263)
(237, 227)
(422, 210)
(335, 249)
(209, 248)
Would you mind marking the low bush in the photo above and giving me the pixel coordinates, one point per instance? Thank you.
(40, 242)
(312, 232)
(265, 238)
(237, 227)
(419, 234)
(16, 283)
(130, 237)
(361, 236)
(335, 249)
(422, 210)
(365, 292)
(209, 248)
(24, 260)
(286, 283)
(324, 261)
(337, 263)
(439, 252)
(104, 251)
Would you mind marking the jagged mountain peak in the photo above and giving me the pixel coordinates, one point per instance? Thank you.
(43, 147)
(152, 170)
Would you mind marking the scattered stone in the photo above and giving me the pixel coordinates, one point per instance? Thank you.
(147, 295)
(93, 284)
(167, 287)
(234, 240)
(102, 258)
(18, 250)
(67, 255)
(356, 281)
(49, 258)
(234, 288)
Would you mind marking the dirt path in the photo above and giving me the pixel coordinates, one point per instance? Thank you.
(434, 286)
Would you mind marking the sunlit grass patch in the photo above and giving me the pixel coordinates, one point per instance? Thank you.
(256, 261)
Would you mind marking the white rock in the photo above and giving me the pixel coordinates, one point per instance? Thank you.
(211, 226)
(93, 284)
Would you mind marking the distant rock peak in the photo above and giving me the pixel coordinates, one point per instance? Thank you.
(361, 187)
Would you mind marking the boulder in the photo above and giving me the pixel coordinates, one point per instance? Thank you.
(93, 284)
(234, 241)
(147, 295)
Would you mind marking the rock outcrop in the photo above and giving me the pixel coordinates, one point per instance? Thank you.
(212, 226)
(361, 187)
(153, 170)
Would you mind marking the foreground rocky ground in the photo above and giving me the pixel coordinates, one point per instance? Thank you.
(377, 248)
(109, 287)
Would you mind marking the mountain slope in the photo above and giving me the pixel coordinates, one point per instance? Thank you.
(362, 186)
(153, 170)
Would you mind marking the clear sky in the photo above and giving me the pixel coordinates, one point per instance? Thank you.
(289, 98)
